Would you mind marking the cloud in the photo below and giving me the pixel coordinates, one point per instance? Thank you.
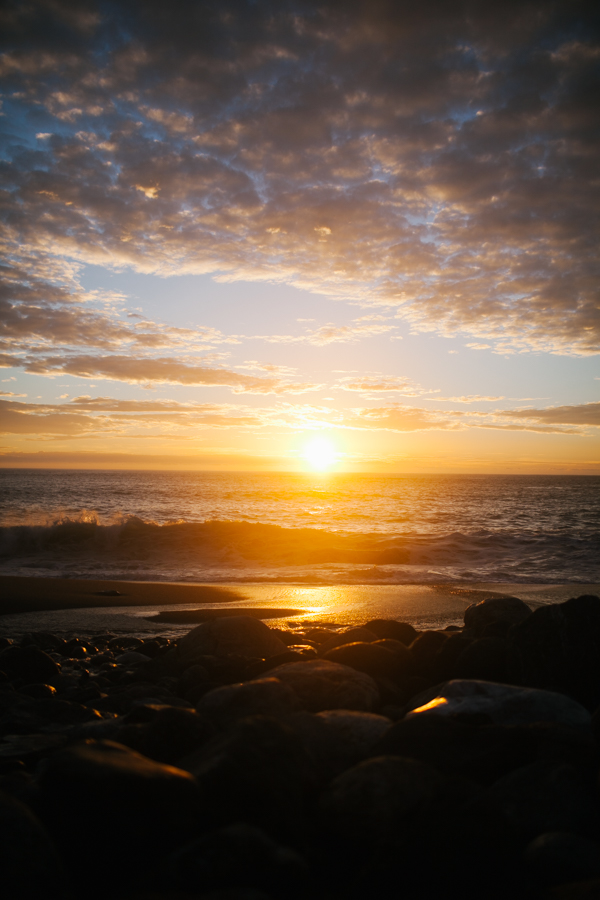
(161, 370)
(582, 414)
(382, 384)
(365, 326)
(438, 161)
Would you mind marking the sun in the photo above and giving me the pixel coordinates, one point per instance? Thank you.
(320, 453)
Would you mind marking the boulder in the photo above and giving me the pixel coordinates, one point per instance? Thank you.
(560, 857)
(322, 684)
(358, 731)
(558, 648)
(347, 637)
(265, 696)
(29, 664)
(30, 866)
(173, 733)
(372, 658)
(378, 800)
(239, 635)
(389, 628)
(238, 856)
(485, 658)
(256, 772)
(502, 704)
(99, 795)
(495, 609)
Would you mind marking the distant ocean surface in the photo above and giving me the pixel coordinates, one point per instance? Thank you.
(300, 528)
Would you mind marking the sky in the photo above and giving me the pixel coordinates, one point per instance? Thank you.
(232, 228)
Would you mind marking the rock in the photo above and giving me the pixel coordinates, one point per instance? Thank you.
(378, 800)
(347, 637)
(240, 635)
(265, 696)
(560, 857)
(239, 855)
(373, 659)
(359, 731)
(99, 794)
(321, 684)
(503, 704)
(39, 691)
(558, 648)
(174, 733)
(256, 772)
(444, 662)
(131, 657)
(389, 628)
(30, 866)
(261, 666)
(495, 609)
(46, 641)
(538, 798)
(425, 648)
(482, 754)
(485, 659)
(29, 664)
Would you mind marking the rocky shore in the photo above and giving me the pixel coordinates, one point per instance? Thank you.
(244, 762)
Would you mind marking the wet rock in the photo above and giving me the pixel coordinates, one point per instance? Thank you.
(359, 731)
(495, 609)
(29, 664)
(135, 809)
(372, 658)
(265, 696)
(39, 691)
(502, 704)
(30, 866)
(240, 855)
(378, 800)
(560, 857)
(389, 628)
(261, 666)
(256, 772)
(558, 648)
(240, 635)
(322, 684)
(76, 649)
(539, 798)
(347, 637)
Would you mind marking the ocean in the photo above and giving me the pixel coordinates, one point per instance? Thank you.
(321, 529)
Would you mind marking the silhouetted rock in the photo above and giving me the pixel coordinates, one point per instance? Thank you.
(560, 857)
(29, 664)
(359, 731)
(265, 696)
(558, 648)
(425, 648)
(173, 733)
(485, 659)
(240, 635)
(239, 855)
(502, 704)
(100, 794)
(495, 609)
(372, 658)
(389, 628)
(30, 866)
(347, 637)
(322, 684)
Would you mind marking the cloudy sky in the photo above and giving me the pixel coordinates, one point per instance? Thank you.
(230, 226)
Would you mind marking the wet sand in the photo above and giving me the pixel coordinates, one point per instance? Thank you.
(82, 606)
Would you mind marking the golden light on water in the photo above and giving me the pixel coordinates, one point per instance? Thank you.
(320, 453)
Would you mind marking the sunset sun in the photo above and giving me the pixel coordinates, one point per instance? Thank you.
(320, 453)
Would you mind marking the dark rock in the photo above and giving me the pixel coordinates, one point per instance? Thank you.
(257, 772)
(322, 684)
(495, 609)
(425, 648)
(481, 753)
(30, 748)
(173, 733)
(193, 683)
(101, 794)
(379, 799)
(240, 635)
(261, 666)
(131, 657)
(538, 798)
(560, 857)
(75, 649)
(485, 658)
(240, 855)
(266, 696)
(444, 661)
(372, 658)
(347, 637)
(121, 699)
(318, 635)
(358, 731)
(389, 628)
(502, 704)
(558, 648)
(39, 691)
(29, 664)
(46, 641)
(30, 867)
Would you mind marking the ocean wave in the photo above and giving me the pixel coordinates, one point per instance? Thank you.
(240, 550)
